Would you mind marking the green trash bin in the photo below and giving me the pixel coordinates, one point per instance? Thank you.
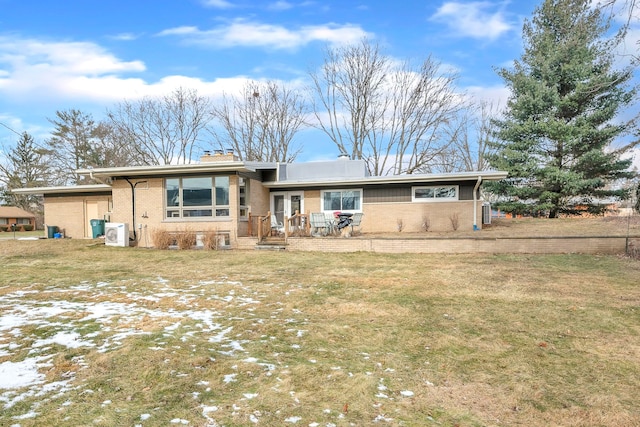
(97, 226)
(51, 231)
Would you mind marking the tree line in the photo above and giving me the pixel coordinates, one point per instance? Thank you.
(563, 136)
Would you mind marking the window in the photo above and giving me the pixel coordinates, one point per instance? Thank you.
(197, 197)
(243, 188)
(442, 193)
(23, 221)
(342, 200)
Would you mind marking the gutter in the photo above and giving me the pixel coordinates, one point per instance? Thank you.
(475, 203)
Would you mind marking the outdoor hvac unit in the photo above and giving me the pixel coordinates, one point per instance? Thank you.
(116, 234)
(486, 213)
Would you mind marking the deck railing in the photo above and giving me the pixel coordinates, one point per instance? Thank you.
(297, 225)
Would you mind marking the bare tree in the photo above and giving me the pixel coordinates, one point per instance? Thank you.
(471, 144)
(396, 117)
(163, 130)
(261, 123)
(111, 149)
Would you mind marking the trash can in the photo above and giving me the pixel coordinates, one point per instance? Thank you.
(97, 226)
(51, 231)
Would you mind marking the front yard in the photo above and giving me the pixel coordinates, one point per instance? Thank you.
(95, 335)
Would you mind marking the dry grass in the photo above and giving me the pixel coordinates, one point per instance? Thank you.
(478, 340)
(162, 239)
(534, 227)
(185, 239)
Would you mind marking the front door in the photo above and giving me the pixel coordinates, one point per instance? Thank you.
(286, 203)
(91, 212)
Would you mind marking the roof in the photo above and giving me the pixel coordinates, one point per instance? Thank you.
(75, 189)
(289, 175)
(14, 212)
(164, 170)
(392, 179)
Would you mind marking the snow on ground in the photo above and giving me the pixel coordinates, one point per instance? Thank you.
(70, 307)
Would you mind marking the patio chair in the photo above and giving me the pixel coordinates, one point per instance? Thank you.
(319, 223)
(355, 220)
(277, 228)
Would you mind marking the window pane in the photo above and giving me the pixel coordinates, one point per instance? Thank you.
(173, 192)
(424, 193)
(242, 183)
(196, 191)
(196, 212)
(222, 190)
(222, 212)
(445, 192)
(332, 201)
(351, 200)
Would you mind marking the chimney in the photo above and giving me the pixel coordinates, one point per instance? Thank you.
(218, 156)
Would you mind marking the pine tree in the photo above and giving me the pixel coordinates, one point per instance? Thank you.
(25, 167)
(560, 136)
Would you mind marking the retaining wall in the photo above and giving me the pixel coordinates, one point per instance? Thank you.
(534, 245)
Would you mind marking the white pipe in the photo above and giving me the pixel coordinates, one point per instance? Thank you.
(475, 203)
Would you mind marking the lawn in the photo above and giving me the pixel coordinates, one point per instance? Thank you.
(104, 336)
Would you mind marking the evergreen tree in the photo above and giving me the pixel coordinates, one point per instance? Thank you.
(559, 138)
(25, 167)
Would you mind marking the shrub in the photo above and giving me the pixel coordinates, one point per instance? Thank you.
(426, 223)
(186, 239)
(4, 227)
(210, 239)
(162, 239)
(28, 227)
(455, 220)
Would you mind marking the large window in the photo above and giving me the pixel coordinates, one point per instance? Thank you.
(342, 200)
(444, 193)
(196, 197)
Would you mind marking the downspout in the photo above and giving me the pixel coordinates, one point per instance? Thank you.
(133, 205)
(475, 203)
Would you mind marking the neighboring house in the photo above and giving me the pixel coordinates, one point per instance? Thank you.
(10, 215)
(221, 193)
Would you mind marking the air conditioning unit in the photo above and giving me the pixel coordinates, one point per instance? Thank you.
(116, 234)
(486, 213)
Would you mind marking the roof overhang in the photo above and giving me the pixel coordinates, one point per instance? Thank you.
(76, 189)
(415, 179)
(166, 170)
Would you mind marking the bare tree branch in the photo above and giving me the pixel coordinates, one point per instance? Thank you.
(261, 123)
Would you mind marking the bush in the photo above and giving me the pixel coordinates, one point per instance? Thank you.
(210, 240)
(4, 228)
(27, 227)
(186, 239)
(162, 239)
(455, 221)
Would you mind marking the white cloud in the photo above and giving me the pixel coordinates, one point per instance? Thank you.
(67, 57)
(254, 34)
(39, 71)
(218, 4)
(496, 96)
(280, 5)
(67, 73)
(474, 19)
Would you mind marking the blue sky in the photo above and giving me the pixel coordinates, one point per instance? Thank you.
(90, 55)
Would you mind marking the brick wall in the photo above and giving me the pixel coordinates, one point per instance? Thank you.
(411, 214)
(69, 213)
(589, 245)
